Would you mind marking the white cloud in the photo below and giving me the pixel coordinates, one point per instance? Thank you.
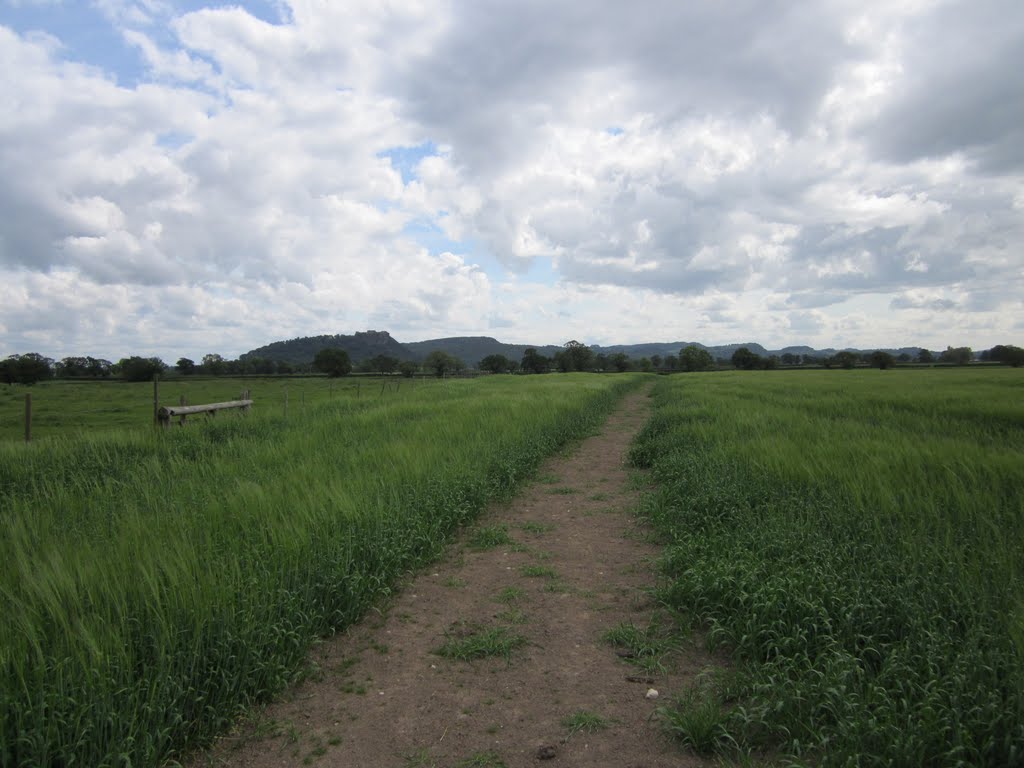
(684, 172)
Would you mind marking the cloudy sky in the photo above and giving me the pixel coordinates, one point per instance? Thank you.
(180, 177)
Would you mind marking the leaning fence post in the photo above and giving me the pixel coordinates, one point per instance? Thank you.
(28, 417)
(182, 401)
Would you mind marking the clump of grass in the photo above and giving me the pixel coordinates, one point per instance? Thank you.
(509, 595)
(512, 616)
(699, 720)
(490, 536)
(467, 642)
(644, 647)
(582, 721)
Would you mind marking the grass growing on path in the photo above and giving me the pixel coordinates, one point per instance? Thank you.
(153, 585)
(858, 539)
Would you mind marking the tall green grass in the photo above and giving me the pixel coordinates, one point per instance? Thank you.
(857, 539)
(155, 584)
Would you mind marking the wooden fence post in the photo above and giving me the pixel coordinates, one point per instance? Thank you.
(182, 401)
(28, 417)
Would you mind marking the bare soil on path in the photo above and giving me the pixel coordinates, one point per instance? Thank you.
(574, 565)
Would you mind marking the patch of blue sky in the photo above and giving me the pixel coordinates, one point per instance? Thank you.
(88, 36)
(614, 130)
(174, 139)
(270, 11)
(85, 35)
(428, 234)
(405, 159)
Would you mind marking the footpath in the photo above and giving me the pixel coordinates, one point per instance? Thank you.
(528, 645)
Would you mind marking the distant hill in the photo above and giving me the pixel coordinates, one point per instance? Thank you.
(360, 346)
(472, 349)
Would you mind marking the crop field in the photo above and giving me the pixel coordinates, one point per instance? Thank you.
(154, 584)
(855, 539)
(60, 408)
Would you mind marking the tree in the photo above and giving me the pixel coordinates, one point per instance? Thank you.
(672, 362)
(924, 356)
(332, 361)
(441, 363)
(496, 364)
(957, 356)
(70, 368)
(26, 369)
(261, 365)
(656, 361)
(408, 368)
(620, 361)
(693, 358)
(81, 367)
(881, 360)
(745, 360)
(575, 357)
(1008, 354)
(383, 364)
(185, 366)
(844, 359)
(212, 365)
(140, 368)
(534, 362)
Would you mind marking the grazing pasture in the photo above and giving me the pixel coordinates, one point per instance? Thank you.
(856, 540)
(154, 584)
(64, 407)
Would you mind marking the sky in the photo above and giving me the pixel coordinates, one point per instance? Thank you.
(180, 177)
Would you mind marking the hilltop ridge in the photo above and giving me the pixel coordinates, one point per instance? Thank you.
(364, 345)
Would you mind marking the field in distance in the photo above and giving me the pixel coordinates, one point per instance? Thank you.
(155, 583)
(66, 407)
(857, 538)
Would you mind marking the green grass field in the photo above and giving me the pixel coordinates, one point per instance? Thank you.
(856, 540)
(155, 584)
(60, 408)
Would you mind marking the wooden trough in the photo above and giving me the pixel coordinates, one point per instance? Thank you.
(180, 412)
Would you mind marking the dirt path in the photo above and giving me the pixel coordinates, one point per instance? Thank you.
(574, 566)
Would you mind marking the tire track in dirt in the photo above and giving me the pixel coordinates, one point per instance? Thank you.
(574, 565)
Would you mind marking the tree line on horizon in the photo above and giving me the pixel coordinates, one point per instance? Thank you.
(574, 356)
